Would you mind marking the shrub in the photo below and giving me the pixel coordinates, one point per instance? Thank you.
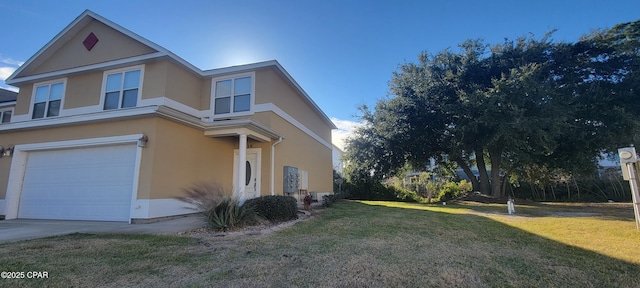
(275, 208)
(328, 200)
(406, 195)
(221, 212)
(228, 214)
(452, 190)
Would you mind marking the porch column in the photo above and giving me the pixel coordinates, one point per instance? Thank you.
(242, 167)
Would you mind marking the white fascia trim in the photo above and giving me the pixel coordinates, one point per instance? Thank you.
(101, 115)
(20, 156)
(11, 103)
(98, 66)
(133, 138)
(238, 69)
(156, 208)
(166, 101)
(265, 107)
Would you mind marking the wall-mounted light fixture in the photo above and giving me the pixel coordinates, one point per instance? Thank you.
(6, 152)
(142, 142)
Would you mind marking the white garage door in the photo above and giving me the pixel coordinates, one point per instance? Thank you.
(79, 184)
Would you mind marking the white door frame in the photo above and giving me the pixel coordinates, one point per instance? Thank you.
(257, 169)
(21, 153)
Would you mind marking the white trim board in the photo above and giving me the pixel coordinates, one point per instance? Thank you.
(266, 107)
(156, 208)
(99, 66)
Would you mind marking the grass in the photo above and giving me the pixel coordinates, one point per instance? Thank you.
(360, 244)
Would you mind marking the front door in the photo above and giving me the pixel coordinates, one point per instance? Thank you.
(252, 175)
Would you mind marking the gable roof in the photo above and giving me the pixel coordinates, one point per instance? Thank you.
(7, 95)
(88, 15)
(71, 29)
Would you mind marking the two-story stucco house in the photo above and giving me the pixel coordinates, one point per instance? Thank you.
(110, 126)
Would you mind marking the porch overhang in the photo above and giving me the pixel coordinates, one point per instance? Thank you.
(252, 129)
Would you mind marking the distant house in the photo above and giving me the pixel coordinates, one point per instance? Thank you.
(336, 156)
(7, 104)
(111, 126)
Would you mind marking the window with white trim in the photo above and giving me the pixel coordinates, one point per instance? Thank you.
(47, 100)
(121, 89)
(5, 115)
(232, 95)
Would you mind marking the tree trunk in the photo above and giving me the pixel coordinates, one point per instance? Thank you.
(495, 155)
(504, 181)
(485, 186)
(467, 170)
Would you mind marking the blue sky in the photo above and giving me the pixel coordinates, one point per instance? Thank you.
(342, 53)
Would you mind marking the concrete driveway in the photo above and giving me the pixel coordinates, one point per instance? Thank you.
(23, 229)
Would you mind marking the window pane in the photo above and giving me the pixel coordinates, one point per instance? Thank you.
(56, 92)
(242, 86)
(223, 105)
(54, 108)
(248, 174)
(42, 93)
(241, 103)
(6, 116)
(111, 100)
(38, 110)
(130, 98)
(223, 88)
(113, 82)
(132, 79)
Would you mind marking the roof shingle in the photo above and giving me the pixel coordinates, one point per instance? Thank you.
(7, 95)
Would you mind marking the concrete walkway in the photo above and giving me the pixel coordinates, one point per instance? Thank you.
(23, 229)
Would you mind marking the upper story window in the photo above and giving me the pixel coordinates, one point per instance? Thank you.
(121, 89)
(5, 115)
(47, 100)
(233, 95)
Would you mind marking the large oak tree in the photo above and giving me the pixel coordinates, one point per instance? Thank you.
(507, 107)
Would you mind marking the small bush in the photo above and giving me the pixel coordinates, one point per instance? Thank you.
(328, 200)
(221, 212)
(275, 208)
(452, 190)
(228, 214)
(406, 195)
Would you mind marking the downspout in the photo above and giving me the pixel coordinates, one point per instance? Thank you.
(273, 164)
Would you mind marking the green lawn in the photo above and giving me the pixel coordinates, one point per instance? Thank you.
(360, 244)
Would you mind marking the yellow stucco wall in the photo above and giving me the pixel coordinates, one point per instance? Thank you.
(161, 78)
(183, 156)
(24, 100)
(271, 88)
(183, 86)
(83, 90)
(301, 151)
(112, 45)
(94, 130)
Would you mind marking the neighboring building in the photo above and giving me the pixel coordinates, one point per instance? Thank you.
(7, 104)
(336, 156)
(110, 126)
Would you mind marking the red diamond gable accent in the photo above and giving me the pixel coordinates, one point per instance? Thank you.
(90, 41)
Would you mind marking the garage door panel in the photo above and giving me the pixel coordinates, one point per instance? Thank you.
(79, 184)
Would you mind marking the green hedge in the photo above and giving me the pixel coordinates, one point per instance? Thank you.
(274, 208)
